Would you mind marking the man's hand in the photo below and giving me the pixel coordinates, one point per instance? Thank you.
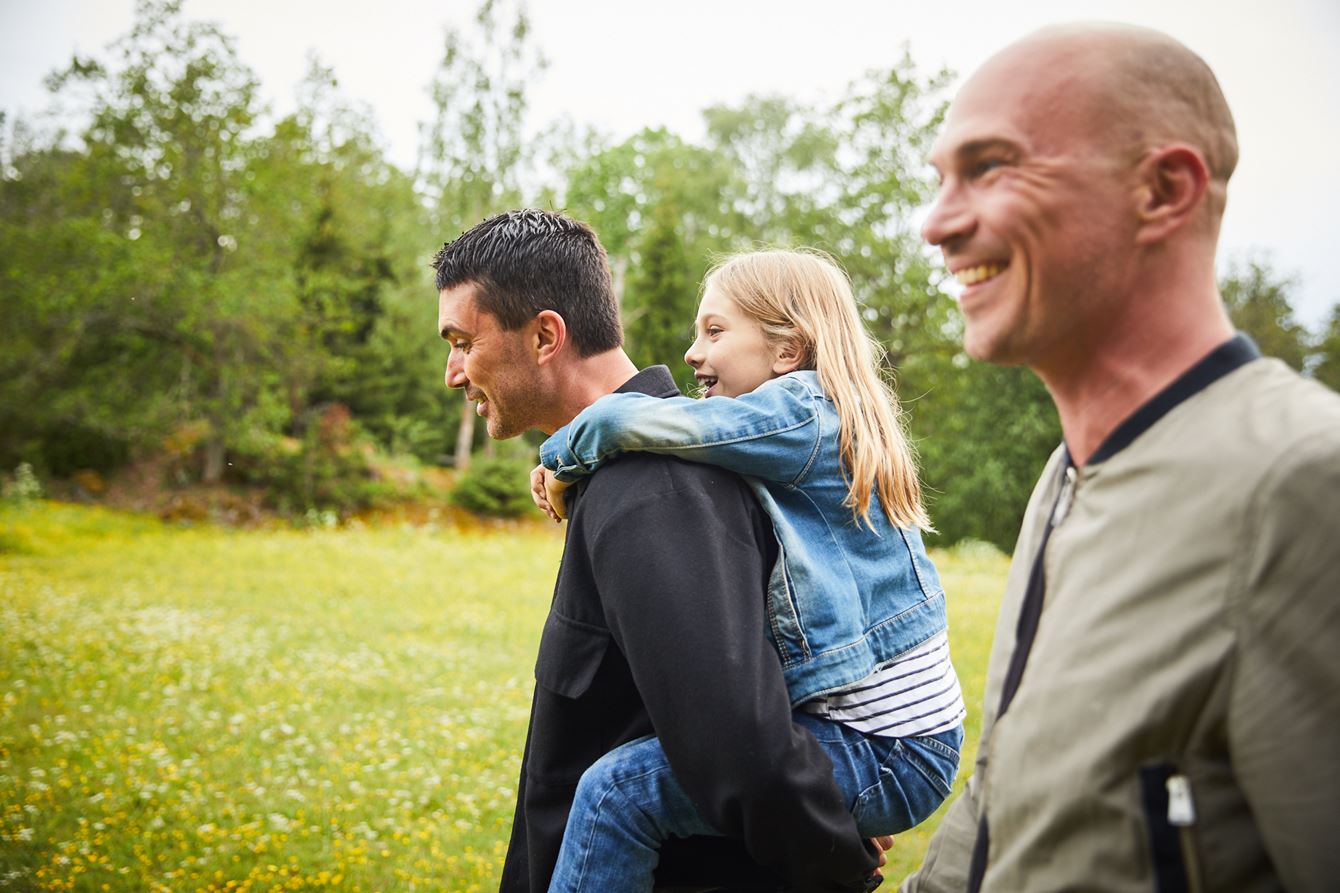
(547, 492)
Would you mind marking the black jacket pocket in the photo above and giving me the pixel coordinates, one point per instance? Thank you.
(570, 655)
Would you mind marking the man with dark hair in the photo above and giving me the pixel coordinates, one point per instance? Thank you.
(1162, 707)
(658, 621)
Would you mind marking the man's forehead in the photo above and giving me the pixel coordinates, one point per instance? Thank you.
(1018, 98)
(457, 309)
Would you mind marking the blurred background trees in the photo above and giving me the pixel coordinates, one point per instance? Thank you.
(247, 301)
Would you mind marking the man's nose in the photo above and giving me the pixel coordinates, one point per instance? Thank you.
(949, 218)
(455, 376)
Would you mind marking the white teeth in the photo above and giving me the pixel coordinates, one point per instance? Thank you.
(979, 273)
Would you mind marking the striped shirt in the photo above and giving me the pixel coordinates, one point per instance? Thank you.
(918, 694)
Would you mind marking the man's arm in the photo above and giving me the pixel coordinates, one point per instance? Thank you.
(1284, 715)
(682, 580)
(770, 433)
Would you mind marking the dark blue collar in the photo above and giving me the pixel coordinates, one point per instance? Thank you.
(1236, 352)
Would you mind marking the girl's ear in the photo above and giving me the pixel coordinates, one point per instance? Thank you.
(789, 356)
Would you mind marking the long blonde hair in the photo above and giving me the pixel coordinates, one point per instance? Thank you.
(804, 298)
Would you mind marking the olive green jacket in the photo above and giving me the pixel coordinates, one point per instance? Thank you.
(1178, 721)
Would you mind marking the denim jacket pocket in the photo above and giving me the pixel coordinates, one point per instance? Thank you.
(570, 654)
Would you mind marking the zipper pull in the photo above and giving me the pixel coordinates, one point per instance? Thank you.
(1062, 507)
(1181, 809)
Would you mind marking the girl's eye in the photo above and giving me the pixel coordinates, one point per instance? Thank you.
(713, 331)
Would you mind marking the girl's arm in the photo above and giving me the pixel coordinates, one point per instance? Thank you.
(771, 433)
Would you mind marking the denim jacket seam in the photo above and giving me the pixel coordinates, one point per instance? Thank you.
(814, 450)
(865, 638)
(916, 565)
(725, 441)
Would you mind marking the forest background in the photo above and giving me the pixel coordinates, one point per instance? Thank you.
(234, 310)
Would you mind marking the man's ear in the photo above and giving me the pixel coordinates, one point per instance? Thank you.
(790, 356)
(1172, 184)
(550, 336)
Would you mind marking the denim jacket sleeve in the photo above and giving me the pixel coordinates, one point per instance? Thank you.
(771, 433)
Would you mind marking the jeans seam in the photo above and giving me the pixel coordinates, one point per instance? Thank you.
(918, 762)
(610, 789)
(935, 744)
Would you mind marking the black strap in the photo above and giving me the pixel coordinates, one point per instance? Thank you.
(1024, 632)
(1165, 846)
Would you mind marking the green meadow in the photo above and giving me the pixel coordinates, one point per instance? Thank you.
(199, 708)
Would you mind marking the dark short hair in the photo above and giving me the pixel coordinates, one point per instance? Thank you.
(526, 261)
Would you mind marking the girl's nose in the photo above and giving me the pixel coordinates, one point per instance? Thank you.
(693, 356)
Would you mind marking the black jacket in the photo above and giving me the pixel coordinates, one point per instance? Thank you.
(658, 626)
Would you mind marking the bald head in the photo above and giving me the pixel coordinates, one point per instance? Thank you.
(1083, 174)
(1133, 88)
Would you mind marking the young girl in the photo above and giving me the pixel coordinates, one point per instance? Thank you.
(856, 610)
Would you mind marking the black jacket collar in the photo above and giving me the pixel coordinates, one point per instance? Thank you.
(654, 380)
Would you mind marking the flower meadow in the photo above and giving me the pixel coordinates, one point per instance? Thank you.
(203, 709)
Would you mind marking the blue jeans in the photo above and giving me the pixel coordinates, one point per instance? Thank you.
(629, 801)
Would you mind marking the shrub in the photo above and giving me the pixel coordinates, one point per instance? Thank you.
(25, 486)
(497, 488)
(325, 473)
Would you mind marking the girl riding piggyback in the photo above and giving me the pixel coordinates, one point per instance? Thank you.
(855, 606)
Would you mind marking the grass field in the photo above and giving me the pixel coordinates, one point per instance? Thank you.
(204, 709)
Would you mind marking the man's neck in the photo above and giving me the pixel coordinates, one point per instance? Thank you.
(584, 380)
(1133, 361)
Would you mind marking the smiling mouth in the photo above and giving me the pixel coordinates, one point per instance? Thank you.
(706, 383)
(980, 273)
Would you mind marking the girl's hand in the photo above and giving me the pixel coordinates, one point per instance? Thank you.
(553, 491)
(547, 493)
(537, 493)
(882, 844)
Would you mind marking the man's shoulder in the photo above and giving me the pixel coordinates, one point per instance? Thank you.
(1251, 419)
(648, 489)
(645, 475)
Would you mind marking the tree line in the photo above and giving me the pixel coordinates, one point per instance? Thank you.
(184, 273)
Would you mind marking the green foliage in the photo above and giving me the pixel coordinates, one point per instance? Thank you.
(1328, 352)
(984, 433)
(662, 297)
(1258, 303)
(326, 471)
(188, 266)
(182, 262)
(495, 487)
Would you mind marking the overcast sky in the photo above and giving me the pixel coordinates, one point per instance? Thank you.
(624, 64)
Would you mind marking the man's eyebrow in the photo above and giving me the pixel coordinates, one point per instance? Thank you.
(451, 328)
(973, 148)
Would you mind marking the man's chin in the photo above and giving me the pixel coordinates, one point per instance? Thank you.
(499, 429)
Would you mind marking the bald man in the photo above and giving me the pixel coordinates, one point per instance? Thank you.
(1162, 707)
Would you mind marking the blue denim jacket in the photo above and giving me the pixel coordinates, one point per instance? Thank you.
(843, 599)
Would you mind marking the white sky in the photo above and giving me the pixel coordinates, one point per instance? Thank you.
(624, 64)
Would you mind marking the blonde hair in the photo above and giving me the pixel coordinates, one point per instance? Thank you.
(805, 299)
